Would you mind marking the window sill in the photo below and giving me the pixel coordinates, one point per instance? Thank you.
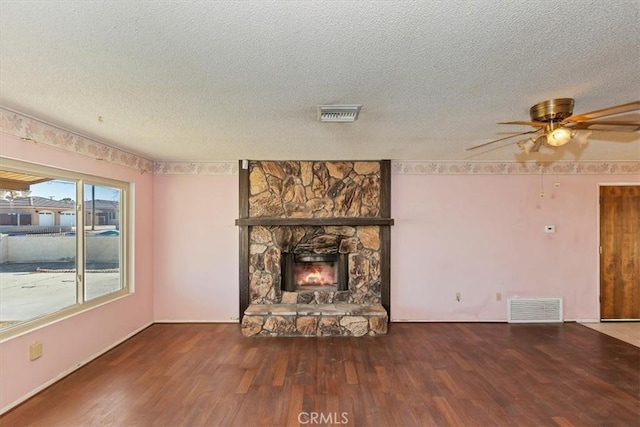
(29, 326)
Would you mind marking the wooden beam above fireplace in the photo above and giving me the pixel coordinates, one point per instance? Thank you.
(348, 221)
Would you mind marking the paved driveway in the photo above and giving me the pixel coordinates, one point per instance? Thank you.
(32, 290)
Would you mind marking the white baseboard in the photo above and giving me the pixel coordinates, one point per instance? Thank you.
(71, 370)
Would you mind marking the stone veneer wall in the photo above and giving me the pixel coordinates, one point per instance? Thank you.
(314, 190)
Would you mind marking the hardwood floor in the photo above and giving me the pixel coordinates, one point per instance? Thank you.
(431, 374)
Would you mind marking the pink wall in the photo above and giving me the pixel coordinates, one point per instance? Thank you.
(483, 234)
(196, 248)
(74, 340)
(473, 234)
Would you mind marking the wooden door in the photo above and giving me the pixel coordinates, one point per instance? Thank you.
(620, 252)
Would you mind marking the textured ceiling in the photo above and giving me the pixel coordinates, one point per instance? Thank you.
(225, 80)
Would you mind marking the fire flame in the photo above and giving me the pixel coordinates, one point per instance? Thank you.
(315, 275)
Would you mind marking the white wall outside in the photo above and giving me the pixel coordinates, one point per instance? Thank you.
(38, 248)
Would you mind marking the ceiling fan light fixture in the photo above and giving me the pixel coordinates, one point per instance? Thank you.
(580, 137)
(527, 145)
(558, 137)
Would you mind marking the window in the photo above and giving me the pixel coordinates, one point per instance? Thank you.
(62, 244)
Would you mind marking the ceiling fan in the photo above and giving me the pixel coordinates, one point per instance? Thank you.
(556, 124)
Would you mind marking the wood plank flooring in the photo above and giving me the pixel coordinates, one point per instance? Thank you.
(421, 374)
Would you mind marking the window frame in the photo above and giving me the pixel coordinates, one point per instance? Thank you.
(82, 304)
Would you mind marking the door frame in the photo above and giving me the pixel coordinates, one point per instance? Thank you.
(598, 278)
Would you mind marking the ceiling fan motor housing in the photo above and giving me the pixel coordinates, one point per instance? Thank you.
(553, 110)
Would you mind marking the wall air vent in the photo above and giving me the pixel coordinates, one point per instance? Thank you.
(534, 310)
(338, 113)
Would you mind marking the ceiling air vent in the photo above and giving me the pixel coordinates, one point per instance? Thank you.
(338, 113)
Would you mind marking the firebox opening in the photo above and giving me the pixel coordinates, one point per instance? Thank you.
(312, 272)
(315, 271)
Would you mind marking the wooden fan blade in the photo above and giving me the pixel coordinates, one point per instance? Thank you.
(501, 139)
(606, 125)
(610, 111)
(519, 122)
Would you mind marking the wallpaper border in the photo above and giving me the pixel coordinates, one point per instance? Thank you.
(36, 131)
(195, 168)
(418, 167)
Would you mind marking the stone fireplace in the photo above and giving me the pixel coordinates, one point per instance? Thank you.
(314, 248)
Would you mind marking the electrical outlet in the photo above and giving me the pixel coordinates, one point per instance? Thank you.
(458, 296)
(35, 350)
(498, 296)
